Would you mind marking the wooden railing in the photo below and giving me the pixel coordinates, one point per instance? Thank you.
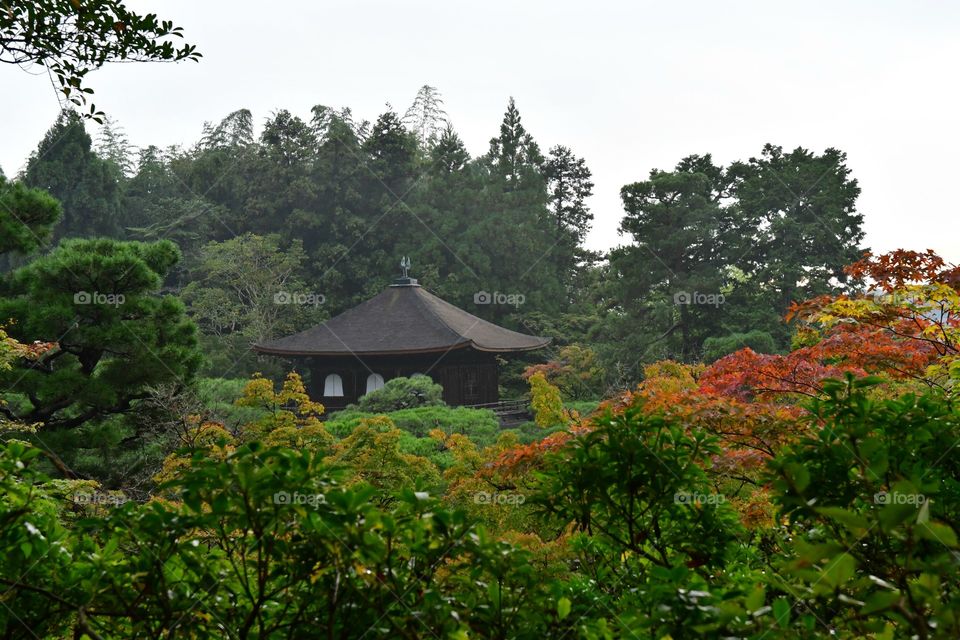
(507, 411)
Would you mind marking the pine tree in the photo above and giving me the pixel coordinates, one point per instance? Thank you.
(569, 186)
(514, 155)
(27, 217)
(236, 130)
(805, 206)
(392, 153)
(88, 187)
(677, 257)
(116, 337)
(113, 145)
(515, 198)
(449, 154)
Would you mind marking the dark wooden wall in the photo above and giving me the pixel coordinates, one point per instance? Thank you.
(466, 375)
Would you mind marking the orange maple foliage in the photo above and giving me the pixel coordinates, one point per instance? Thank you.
(858, 349)
(903, 328)
(914, 297)
(897, 269)
(523, 459)
(900, 326)
(11, 349)
(749, 432)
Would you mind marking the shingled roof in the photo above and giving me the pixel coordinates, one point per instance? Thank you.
(402, 319)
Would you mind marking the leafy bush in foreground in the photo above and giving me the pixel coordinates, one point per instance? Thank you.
(873, 499)
(273, 542)
(265, 543)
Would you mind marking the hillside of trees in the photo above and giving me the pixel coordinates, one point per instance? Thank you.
(712, 256)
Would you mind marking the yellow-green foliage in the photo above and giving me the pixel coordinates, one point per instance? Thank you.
(547, 403)
(313, 437)
(472, 488)
(210, 437)
(10, 350)
(74, 499)
(288, 408)
(372, 454)
(686, 374)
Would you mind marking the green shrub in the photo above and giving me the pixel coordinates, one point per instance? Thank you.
(402, 393)
(529, 432)
(759, 341)
(420, 421)
(275, 544)
(480, 425)
(873, 499)
(583, 407)
(219, 395)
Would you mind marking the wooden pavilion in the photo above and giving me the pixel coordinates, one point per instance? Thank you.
(402, 331)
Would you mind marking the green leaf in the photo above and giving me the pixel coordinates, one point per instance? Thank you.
(839, 570)
(875, 455)
(781, 611)
(563, 608)
(879, 601)
(847, 518)
(937, 532)
(756, 599)
(493, 591)
(893, 515)
(799, 475)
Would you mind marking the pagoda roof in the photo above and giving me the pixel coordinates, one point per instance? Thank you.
(402, 319)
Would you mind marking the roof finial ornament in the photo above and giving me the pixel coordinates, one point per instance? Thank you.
(405, 280)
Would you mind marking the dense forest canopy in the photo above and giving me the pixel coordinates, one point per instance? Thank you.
(325, 207)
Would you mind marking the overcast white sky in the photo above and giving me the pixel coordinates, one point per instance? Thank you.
(630, 86)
